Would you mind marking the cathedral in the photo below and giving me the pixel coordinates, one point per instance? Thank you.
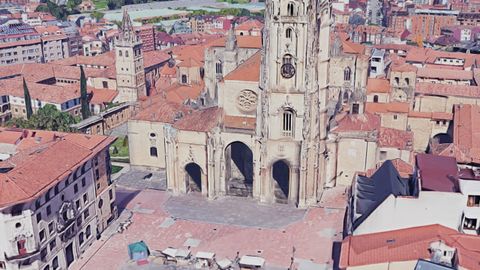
(259, 129)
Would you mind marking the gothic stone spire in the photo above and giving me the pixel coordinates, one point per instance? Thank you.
(231, 43)
(127, 33)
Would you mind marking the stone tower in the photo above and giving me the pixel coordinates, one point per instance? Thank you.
(291, 114)
(129, 63)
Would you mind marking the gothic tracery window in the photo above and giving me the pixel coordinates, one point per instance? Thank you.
(219, 68)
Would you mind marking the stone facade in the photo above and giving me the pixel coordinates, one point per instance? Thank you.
(129, 63)
(265, 135)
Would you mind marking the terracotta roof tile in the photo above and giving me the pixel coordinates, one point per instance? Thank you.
(407, 245)
(239, 122)
(201, 120)
(248, 71)
(447, 90)
(375, 85)
(450, 74)
(357, 122)
(250, 42)
(46, 162)
(400, 139)
(393, 107)
(102, 96)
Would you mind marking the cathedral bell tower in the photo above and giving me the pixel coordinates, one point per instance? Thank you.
(129, 63)
(291, 114)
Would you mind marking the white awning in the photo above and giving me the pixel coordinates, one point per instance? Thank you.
(252, 261)
(224, 263)
(205, 255)
(170, 252)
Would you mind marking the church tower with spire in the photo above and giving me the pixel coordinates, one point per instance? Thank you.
(129, 63)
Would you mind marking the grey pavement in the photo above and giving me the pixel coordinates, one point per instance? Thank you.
(137, 179)
(233, 210)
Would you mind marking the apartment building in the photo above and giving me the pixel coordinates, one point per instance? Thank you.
(50, 214)
(19, 43)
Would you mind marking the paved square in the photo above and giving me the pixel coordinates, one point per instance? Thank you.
(225, 227)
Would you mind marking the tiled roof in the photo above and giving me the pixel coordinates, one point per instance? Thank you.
(200, 120)
(44, 92)
(249, 25)
(248, 71)
(159, 109)
(45, 163)
(239, 122)
(152, 58)
(102, 96)
(447, 90)
(250, 42)
(179, 93)
(400, 139)
(404, 68)
(407, 245)
(444, 74)
(375, 85)
(352, 48)
(393, 107)
(357, 122)
(405, 169)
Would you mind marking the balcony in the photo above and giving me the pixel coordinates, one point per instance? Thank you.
(23, 254)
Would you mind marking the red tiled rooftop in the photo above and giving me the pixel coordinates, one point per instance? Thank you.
(407, 245)
(250, 42)
(39, 166)
(393, 107)
(375, 85)
(444, 74)
(357, 122)
(400, 139)
(200, 120)
(239, 122)
(447, 90)
(102, 96)
(248, 71)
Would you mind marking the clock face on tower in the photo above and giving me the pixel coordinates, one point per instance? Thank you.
(287, 70)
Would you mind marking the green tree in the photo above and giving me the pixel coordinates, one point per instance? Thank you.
(46, 118)
(84, 95)
(28, 99)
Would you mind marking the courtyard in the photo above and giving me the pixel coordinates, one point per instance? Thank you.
(225, 226)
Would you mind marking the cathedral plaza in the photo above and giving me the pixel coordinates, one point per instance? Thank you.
(272, 232)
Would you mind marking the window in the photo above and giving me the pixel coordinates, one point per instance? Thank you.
(395, 117)
(56, 189)
(21, 247)
(219, 68)
(375, 99)
(79, 221)
(383, 155)
(153, 152)
(80, 238)
(83, 182)
(184, 78)
(86, 214)
(470, 224)
(110, 194)
(355, 108)
(473, 201)
(41, 235)
(77, 204)
(55, 263)
(49, 210)
(105, 84)
(347, 74)
(53, 244)
(287, 59)
(97, 174)
(37, 204)
(407, 81)
(126, 53)
(290, 9)
(85, 198)
(43, 254)
(88, 232)
(288, 33)
(287, 123)
(50, 227)
(39, 217)
(397, 81)
(75, 188)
